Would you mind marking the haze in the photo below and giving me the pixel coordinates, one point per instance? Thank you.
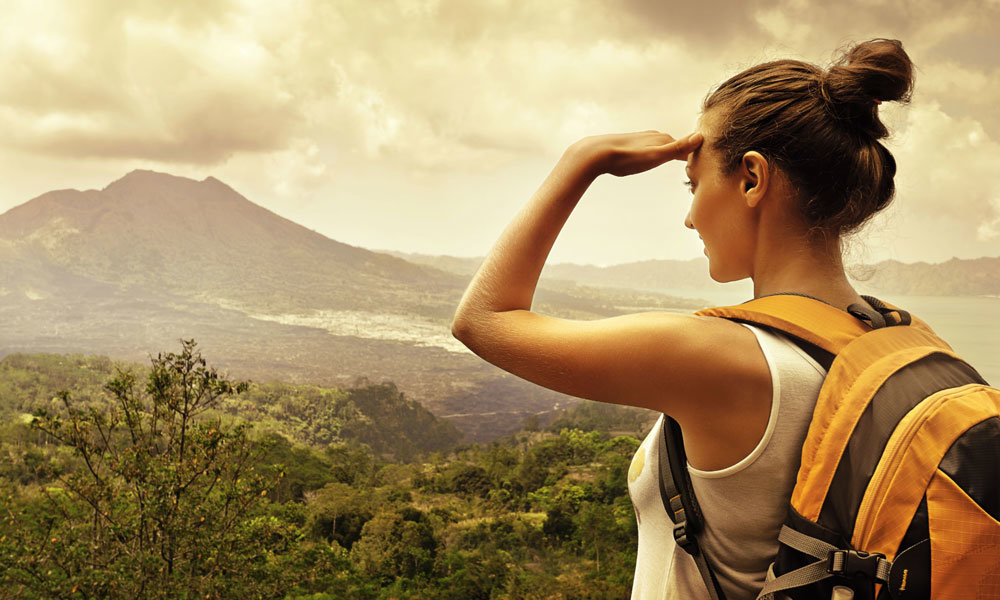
(423, 126)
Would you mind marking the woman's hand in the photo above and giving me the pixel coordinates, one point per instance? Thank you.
(623, 154)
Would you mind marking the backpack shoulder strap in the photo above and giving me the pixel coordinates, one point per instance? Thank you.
(680, 502)
(807, 319)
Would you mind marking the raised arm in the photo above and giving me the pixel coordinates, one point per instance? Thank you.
(707, 373)
(507, 279)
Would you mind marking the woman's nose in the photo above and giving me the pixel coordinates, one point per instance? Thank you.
(687, 221)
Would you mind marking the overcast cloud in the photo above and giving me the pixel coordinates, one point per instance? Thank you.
(425, 125)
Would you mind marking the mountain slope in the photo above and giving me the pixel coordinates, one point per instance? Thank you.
(206, 241)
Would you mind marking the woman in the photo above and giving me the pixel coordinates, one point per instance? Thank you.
(785, 161)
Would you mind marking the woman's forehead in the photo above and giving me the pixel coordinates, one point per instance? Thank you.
(693, 158)
(703, 152)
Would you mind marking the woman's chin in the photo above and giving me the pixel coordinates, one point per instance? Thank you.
(720, 276)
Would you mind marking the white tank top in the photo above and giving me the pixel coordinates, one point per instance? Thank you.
(744, 505)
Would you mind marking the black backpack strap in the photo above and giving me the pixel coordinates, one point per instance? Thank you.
(680, 503)
(842, 562)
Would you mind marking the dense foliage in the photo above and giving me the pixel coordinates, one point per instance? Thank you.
(173, 482)
(377, 415)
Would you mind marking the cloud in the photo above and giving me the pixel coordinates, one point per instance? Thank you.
(946, 191)
(964, 91)
(989, 230)
(148, 84)
(435, 84)
(292, 100)
(706, 25)
(947, 164)
(465, 85)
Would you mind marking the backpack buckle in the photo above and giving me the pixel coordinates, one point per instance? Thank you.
(852, 563)
(681, 537)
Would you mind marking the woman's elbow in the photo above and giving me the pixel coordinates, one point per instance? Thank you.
(463, 326)
(459, 329)
(467, 326)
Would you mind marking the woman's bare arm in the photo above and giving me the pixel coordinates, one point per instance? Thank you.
(672, 363)
(507, 278)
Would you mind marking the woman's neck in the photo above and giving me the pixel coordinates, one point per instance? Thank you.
(815, 270)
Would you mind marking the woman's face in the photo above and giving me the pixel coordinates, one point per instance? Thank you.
(719, 212)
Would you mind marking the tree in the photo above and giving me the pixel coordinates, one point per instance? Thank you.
(396, 545)
(338, 512)
(166, 502)
(597, 529)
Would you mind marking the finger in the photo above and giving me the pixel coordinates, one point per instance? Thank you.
(692, 140)
(659, 138)
(689, 142)
(681, 147)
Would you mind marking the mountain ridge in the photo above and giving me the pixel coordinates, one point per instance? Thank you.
(152, 229)
(956, 276)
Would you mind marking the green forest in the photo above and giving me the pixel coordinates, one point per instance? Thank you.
(170, 480)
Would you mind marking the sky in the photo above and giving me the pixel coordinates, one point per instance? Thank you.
(425, 125)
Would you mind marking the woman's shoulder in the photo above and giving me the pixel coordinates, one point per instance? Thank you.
(721, 365)
(687, 366)
(727, 413)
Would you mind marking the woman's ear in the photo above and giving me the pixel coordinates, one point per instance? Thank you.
(755, 175)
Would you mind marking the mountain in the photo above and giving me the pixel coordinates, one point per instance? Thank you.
(663, 274)
(128, 270)
(204, 240)
(956, 277)
(686, 280)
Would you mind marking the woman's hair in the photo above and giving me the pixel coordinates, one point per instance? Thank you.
(821, 128)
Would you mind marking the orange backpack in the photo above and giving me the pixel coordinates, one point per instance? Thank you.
(898, 488)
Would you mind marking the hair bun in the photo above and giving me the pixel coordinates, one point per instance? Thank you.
(864, 76)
